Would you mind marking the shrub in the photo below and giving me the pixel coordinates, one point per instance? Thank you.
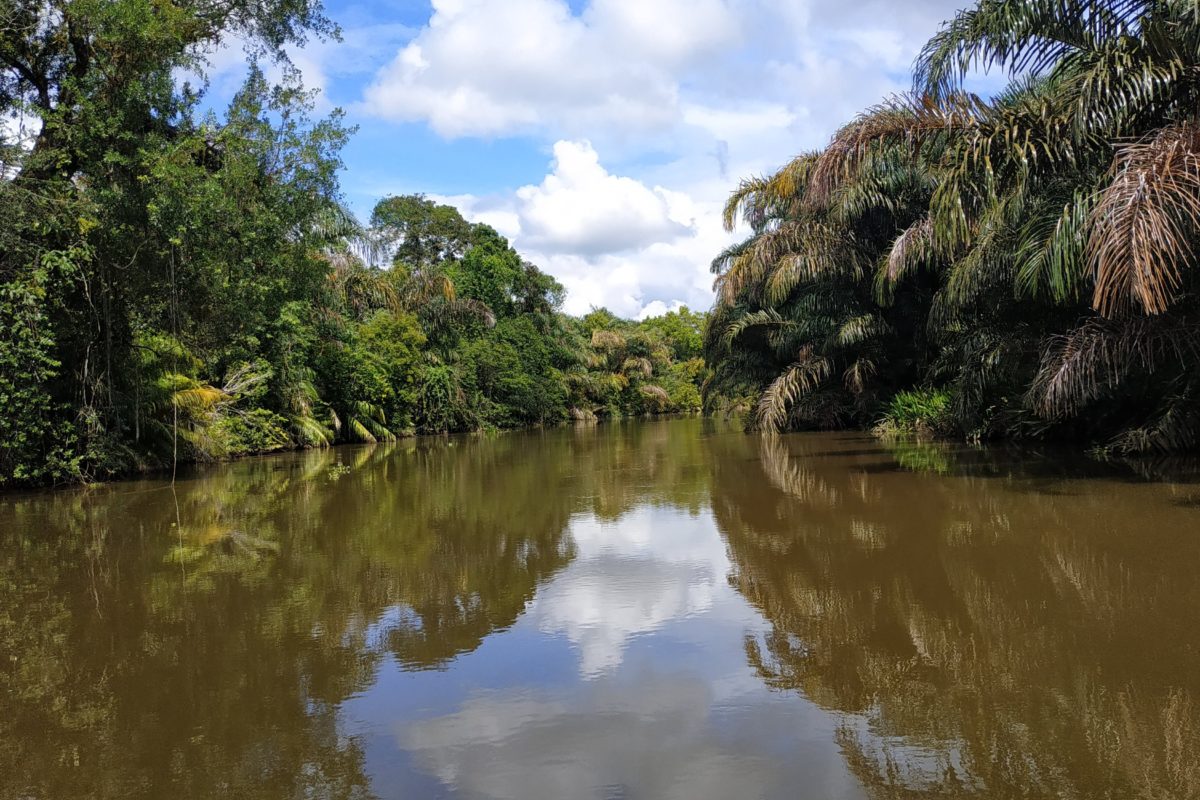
(917, 412)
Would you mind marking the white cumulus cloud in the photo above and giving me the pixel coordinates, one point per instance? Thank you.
(657, 108)
(613, 241)
(630, 579)
(483, 67)
(581, 208)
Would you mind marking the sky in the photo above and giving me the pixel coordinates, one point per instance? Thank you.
(601, 136)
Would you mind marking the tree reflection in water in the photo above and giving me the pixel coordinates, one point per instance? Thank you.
(987, 631)
(197, 642)
(981, 625)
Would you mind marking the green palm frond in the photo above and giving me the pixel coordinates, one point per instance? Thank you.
(803, 376)
(1051, 254)
(753, 319)
(1020, 37)
(336, 222)
(859, 329)
(360, 431)
(309, 431)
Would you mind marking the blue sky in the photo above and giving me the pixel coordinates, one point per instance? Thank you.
(601, 136)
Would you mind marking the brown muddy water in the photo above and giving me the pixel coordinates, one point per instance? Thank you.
(642, 610)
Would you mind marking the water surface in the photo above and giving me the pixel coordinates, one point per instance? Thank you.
(643, 610)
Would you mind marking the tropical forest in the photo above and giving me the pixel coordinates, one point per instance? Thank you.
(599, 399)
(182, 285)
(1013, 266)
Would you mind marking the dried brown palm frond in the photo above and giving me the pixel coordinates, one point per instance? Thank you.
(656, 393)
(858, 374)
(1143, 227)
(607, 340)
(757, 199)
(804, 375)
(638, 364)
(1100, 354)
(1175, 427)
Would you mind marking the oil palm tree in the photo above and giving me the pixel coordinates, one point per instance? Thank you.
(1042, 238)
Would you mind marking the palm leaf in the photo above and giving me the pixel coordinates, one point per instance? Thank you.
(1143, 226)
(804, 375)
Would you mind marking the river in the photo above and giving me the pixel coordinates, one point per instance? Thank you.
(662, 609)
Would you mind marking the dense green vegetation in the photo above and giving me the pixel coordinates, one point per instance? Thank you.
(1019, 266)
(177, 283)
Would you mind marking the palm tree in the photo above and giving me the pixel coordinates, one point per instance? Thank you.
(1030, 252)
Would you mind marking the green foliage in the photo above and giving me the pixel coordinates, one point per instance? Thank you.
(633, 368)
(255, 431)
(682, 384)
(513, 373)
(418, 233)
(387, 353)
(180, 284)
(917, 412)
(37, 445)
(1033, 253)
(442, 403)
(683, 330)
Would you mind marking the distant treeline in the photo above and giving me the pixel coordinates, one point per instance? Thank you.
(1019, 266)
(182, 285)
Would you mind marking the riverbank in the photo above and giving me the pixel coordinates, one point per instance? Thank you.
(151, 471)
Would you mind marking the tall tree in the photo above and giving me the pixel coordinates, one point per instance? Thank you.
(1033, 250)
